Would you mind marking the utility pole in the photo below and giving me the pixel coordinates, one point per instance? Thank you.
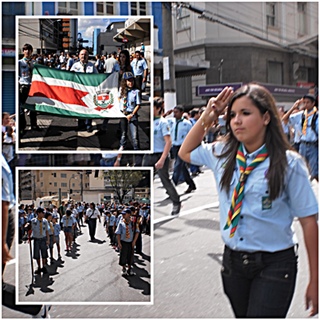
(169, 84)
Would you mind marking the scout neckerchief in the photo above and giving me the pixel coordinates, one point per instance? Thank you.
(238, 193)
(127, 228)
(51, 227)
(40, 221)
(176, 128)
(305, 123)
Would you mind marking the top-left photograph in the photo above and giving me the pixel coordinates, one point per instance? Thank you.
(84, 84)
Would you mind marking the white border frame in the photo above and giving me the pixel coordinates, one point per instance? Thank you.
(151, 68)
(152, 276)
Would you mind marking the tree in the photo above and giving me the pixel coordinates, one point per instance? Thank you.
(122, 181)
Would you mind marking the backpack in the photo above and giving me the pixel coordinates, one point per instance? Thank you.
(313, 122)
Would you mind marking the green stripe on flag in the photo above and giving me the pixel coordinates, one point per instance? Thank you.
(63, 112)
(87, 79)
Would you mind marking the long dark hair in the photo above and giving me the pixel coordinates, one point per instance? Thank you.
(127, 66)
(124, 88)
(275, 140)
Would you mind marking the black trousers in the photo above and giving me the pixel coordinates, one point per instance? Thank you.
(126, 254)
(92, 223)
(23, 95)
(9, 290)
(259, 284)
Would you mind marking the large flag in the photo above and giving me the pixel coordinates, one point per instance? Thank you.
(81, 95)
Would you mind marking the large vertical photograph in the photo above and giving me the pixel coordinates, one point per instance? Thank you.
(84, 236)
(84, 83)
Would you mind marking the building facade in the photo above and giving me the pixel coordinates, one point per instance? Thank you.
(274, 43)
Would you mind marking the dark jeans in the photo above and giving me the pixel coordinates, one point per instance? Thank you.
(133, 127)
(260, 284)
(151, 160)
(92, 223)
(180, 167)
(8, 290)
(23, 95)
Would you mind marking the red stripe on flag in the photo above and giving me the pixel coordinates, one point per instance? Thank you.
(66, 95)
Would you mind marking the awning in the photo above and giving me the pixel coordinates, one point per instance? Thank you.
(184, 67)
(137, 31)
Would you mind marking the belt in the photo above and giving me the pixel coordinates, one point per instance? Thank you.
(310, 143)
(248, 255)
(126, 113)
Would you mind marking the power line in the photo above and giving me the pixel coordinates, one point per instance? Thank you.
(204, 15)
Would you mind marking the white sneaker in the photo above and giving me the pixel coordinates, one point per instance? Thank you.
(44, 312)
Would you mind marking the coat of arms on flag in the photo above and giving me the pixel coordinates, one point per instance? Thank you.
(80, 95)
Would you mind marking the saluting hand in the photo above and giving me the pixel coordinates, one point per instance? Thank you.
(216, 105)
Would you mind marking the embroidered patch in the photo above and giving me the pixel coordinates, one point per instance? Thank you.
(266, 203)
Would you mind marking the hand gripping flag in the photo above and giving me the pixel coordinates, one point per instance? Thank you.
(80, 95)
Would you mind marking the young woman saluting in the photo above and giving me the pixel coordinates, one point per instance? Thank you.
(262, 186)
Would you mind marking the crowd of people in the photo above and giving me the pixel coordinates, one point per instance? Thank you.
(300, 125)
(132, 70)
(45, 225)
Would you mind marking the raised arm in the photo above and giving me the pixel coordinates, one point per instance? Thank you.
(214, 108)
(295, 106)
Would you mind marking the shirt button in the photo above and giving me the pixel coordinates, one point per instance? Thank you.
(241, 239)
(241, 217)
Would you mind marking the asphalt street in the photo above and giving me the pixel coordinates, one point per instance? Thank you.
(92, 267)
(61, 134)
(187, 261)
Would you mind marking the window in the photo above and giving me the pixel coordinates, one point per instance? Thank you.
(41, 174)
(105, 8)
(302, 16)
(63, 185)
(55, 184)
(64, 194)
(183, 19)
(41, 184)
(275, 73)
(63, 175)
(54, 175)
(68, 7)
(138, 8)
(271, 14)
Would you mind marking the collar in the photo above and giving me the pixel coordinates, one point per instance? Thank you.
(253, 154)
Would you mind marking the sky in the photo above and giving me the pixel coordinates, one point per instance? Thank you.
(86, 26)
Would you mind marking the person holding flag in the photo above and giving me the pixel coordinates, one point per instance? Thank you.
(25, 67)
(85, 66)
(262, 185)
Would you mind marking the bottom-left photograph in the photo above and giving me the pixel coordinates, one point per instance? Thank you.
(84, 236)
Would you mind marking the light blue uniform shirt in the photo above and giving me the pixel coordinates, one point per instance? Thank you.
(35, 226)
(133, 99)
(57, 229)
(67, 222)
(25, 73)
(121, 229)
(7, 183)
(179, 130)
(138, 66)
(261, 227)
(112, 220)
(161, 129)
(296, 120)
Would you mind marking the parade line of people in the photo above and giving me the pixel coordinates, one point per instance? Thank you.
(124, 225)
